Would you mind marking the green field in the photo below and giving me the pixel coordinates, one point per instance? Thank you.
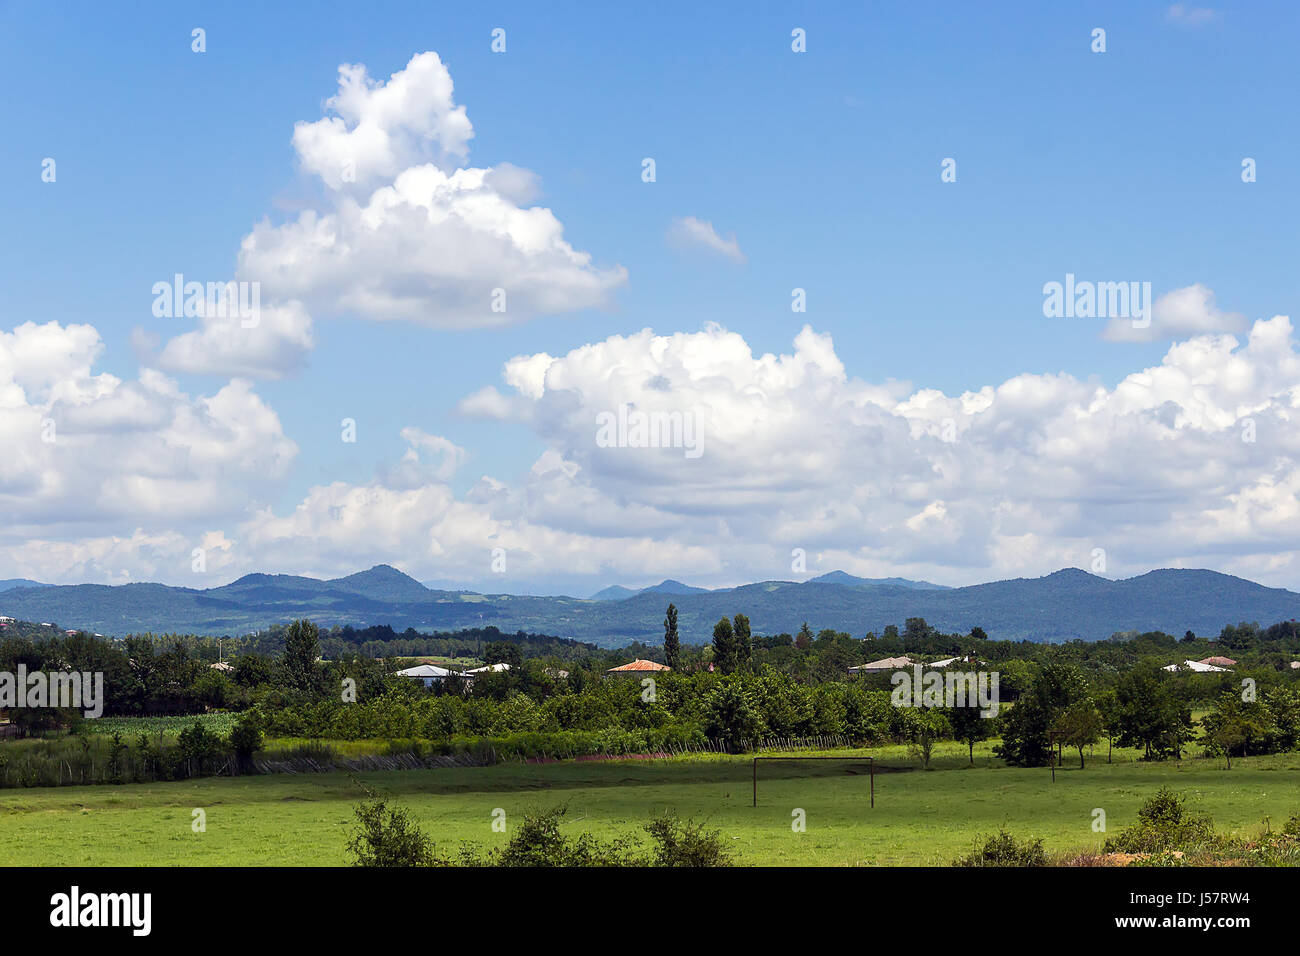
(921, 817)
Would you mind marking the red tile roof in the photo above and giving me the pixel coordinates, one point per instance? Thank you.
(638, 665)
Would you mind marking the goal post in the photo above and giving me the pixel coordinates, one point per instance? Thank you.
(871, 763)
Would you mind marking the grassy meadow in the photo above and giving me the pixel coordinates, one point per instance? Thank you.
(920, 817)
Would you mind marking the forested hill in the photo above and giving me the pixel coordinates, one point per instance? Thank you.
(1061, 606)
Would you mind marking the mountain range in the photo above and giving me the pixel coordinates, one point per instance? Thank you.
(1061, 606)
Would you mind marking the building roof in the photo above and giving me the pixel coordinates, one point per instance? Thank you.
(1218, 661)
(489, 668)
(425, 670)
(1199, 666)
(638, 665)
(221, 666)
(884, 664)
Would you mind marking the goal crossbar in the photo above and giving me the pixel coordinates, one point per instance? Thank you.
(870, 761)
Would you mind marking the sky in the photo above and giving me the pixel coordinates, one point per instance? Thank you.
(487, 252)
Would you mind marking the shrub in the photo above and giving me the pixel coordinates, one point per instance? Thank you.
(386, 836)
(1003, 849)
(685, 844)
(1164, 823)
(537, 841)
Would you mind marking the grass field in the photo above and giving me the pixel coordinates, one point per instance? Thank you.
(920, 818)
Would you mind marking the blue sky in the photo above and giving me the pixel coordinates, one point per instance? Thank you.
(1118, 166)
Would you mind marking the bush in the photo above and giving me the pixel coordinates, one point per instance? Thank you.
(1164, 824)
(685, 844)
(537, 841)
(387, 837)
(200, 745)
(246, 738)
(1003, 849)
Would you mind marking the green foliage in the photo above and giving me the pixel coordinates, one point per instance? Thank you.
(1003, 849)
(1164, 824)
(200, 746)
(732, 716)
(672, 643)
(301, 649)
(386, 836)
(687, 844)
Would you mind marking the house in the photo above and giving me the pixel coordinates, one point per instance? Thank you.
(1218, 661)
(222, 666)
(882, 665)
(428, 673)
(488, 669)
(638, 666)
(1199, 667)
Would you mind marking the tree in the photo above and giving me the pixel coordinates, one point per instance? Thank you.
(503, 652)
(923, 726)
(724, 646)
(1150, 714)
(301, 649)
(804, 639)
(1079, 725)
(1026, 729)
(672, 646)
(742, 640)
(968, 725)
(246, 738)
(732, 716)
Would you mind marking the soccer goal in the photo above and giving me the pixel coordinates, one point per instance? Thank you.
(869, 761)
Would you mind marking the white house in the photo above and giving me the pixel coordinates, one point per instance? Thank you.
(882, 665)
(489, 668)
(1196, 666)
(428, 673)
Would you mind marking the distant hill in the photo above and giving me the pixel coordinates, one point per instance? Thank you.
(840, 577)
(10, 583)
(1061, 606)
(617, 592)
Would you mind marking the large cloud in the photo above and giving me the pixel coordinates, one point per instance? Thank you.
(1190, 462)
(407, 233)
(86, 451)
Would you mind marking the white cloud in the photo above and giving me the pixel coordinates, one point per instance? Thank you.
(1014, 478)
(86, 451)
(406, 233)
(381, 128)
(1177, 314)
(275, 346)
(691, 233)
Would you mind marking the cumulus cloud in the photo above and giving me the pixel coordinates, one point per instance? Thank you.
(408, 232)
(85, 450)
(273, 346)
(1177, 314)
(1191, 461)
(381, 128)
(690, 233)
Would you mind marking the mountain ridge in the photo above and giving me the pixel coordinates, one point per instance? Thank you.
(1066, 604)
